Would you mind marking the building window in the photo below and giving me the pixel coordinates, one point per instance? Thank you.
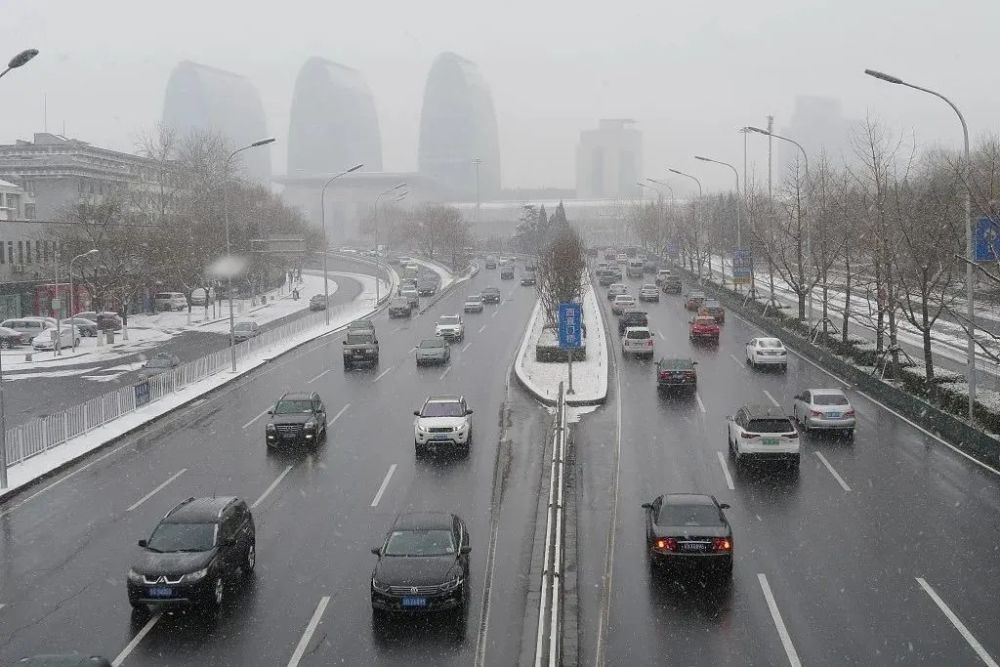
(10, 251)
(45, 251)
(27, 254)
(38, 252)
(20, 252)
(3, 255)
(29, 211)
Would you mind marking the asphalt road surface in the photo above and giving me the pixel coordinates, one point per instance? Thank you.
(65, 545)
(31, 397)
(882, 552)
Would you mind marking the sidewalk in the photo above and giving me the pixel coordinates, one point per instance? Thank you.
(590, 377)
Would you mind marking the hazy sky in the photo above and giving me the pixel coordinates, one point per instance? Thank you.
(690, 73)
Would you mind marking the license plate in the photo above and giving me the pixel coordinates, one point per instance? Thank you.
(833, 415)
(160, 592)
(414, 602)
(288, 436)
(693, 546)
(359, 354)
(440, 438)
(769, 441)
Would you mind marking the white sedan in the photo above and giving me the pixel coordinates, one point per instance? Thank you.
(622, 303)
(824, 409)
(638, 341)
(767, 352)
(69, 337)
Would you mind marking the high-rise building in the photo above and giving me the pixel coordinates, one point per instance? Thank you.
(458, 130)
(609, 160)
(205, 99)
(818, 123)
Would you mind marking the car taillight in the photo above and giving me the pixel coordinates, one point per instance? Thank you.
(815, 413)
(649, 342)
(747, 436)
(849, 413)
(793, 435)
(666, 544)
(690, 374)
(664, 375)
(722, 544)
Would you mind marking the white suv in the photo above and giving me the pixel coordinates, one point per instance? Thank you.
(170, 301)
(443, 422)
(762, 433)
(637, 341)
(450, 327)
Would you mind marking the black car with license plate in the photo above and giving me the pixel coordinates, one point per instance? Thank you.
(298, 418)
(198, 547)
(689, 530)
(632, 318)
(423, 566)
(676, 374)
(360, 347)
(491, 295)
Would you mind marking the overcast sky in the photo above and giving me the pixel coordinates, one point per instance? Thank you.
(690, 73)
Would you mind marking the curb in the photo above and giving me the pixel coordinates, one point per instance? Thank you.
(455, 282)
(7, 495)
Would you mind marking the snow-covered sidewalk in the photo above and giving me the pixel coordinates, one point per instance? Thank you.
(446, 276)
(63, 453)
(590, 377)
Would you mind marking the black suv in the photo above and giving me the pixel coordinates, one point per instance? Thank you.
(423, 565)
(491, 295)
(676, 374)
(632, 318)
(197, 546)
(297, 418)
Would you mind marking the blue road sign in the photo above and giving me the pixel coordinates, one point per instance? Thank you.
(987, 240)
(570, 325)
(141, 393)
(742, 265)
(672, 249)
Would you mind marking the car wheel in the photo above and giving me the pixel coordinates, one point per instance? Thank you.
(5, 345)
(850, 434)
(250, 560)
(218, 593)
(418, 449)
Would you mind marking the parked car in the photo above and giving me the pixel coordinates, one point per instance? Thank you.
(433, 351)
(765, 351)
(714, 308)
(196, 549)
(617, 289)
(704, 328)
(88, 328)
(473, 304)
(649, 292)
(450, 327)
(694, 300)
(161, 362)
(170, 301)
(11, 338)
(491, 295)
(632, 318)
(318, 302)
(69, 336)
(423, 566)
(109, 321)
(245, 330)
(824, 410)
(689, 530)
(400, 306)
(296, 418)
(638, 341)
(676, 373)
(28, 327)
(443, 422)
(199, 296)
(622, 303)
(762, 433)
(671, 285)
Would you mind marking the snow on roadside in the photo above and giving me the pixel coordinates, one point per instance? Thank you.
(446, 276)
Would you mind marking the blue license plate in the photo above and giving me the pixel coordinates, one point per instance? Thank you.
(160, 592)
(414, 602)
(833, 415)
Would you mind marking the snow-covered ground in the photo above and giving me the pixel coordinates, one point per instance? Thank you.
(590, 377)
(36, 466)
(443, 273)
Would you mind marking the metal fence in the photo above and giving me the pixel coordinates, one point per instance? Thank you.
(44, 433)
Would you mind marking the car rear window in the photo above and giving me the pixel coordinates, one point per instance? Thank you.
(432, 343)
(358, 338)
(637, 334)
(688, 515)
(770, 426)
(829, 399)
(770, 342)
(705, 321)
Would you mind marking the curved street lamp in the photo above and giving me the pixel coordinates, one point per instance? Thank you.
(378, 258)
(326, 244)
(20, 59)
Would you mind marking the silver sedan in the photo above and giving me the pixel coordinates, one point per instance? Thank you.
(824, 409)
(433, 351)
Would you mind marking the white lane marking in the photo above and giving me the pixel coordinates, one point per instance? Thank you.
(660, 334)
(737, 361)
(494, 313)
(701, 405)
(2, 606)
(609, 563)
(466, 346)
(836, 476)
(135, 641)
(413, 349)
(758, 517)
(771, 398)
(337, 416)
(786, 640)
(157, 489)
(925, 432)
(976, 646)
(300, 650)
(256, 418)
(482, 328)
(318, 376)
(382, 374)
(725, 471)
(813, 363)
(397, 329)
(385, 484)
(269, 489)
(446, 371)
(484, 620)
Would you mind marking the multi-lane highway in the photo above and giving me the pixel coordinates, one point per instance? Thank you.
(65, 545)
(881, 551)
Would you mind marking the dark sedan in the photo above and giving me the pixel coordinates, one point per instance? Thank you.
(423, 565)
(9, 338)
(689, 530)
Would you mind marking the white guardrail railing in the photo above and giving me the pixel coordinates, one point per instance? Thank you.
(549, 634)
(43, 433)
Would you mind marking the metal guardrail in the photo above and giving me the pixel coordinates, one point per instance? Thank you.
(43, 433)
(549, 632)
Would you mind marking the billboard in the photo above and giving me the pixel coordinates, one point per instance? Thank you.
(742, 262)
(570, 331)
(987, 239)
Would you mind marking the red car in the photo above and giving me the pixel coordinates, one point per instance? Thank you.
(694, 300)
(704, 328)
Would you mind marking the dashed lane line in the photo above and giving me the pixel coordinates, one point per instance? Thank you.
(139, 636)
(964, 631)
(156, 490)
(466, 346)
(385, 485)
(319, 376)
(446, 371)
(771, 398)
(250, 423)
(737, 361)
(725, 471)
(303, 644)
(836, 475)
(482, 328)
(382, 374)
(786, 640)
(701, 405)
(271, 488)
(337, 416)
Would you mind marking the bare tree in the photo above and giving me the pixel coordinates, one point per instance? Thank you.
(561, 271)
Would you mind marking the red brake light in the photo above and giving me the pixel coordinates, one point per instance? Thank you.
(649, 342)
(722, 544)
(815, 413)
(849, 413)
(666, 544)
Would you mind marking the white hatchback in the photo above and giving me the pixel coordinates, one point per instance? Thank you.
(622, 303)
(638, 341)
(767, 352)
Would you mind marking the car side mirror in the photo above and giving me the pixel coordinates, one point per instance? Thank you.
(377, 551)
(143, 543)
(723, 506)
(469, 412)
(270, 412)
(465, 550)
(343, 342)
(729, 418)
(647, 506)
(694, 363)
(416, 413)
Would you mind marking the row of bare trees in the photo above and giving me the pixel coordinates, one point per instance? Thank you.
(436, 231)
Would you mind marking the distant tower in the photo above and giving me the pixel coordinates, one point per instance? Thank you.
(202, 98)
(818, 124)
(609, 160)
(457, 126)
(333, 122)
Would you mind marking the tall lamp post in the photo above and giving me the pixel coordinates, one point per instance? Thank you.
(739, 207)
(695, 208)
(229, 273)
(72, 294)
(322, 215)
(970, 244)
(378, 263)
(805, 160)
(659, 194)
(20, 59)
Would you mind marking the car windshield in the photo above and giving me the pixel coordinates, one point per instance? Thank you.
(243, 326)
(829, 399)
(688, 515)
(172, 537)
(429, 343)
(773, 343)
(442, 409)
(642, 333)
(449, 319)
(774, 425)
(435, 542)
(358, 338)
(289, 406)
(711, 303)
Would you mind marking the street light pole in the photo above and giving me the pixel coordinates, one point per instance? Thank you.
(970, 243)
(229, 273)
(326, 243)
(694, 210)
(739, 207)
(378, 259)
(72, 295)
(477, 162)
(20, 59)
